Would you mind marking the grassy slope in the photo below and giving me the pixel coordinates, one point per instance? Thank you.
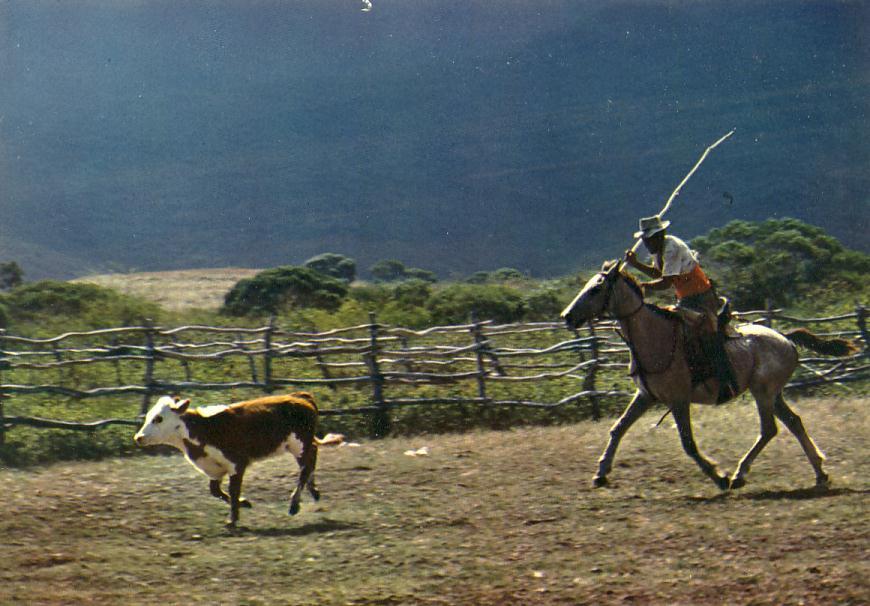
(487, 518)
(176, 290)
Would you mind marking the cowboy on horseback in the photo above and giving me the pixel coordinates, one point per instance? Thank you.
(675, 265)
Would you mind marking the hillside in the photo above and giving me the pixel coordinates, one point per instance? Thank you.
(452, 135)
(175, 290)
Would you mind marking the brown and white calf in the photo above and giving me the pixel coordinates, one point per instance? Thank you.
(224, 440)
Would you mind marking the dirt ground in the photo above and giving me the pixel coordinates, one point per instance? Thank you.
(484, 518)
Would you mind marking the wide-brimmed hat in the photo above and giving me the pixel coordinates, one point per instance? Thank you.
(651, 225)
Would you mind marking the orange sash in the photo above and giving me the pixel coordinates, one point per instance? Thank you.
(692, 283)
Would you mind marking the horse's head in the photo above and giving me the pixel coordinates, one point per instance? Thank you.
(596, 298)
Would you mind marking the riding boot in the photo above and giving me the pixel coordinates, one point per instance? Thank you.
(713, 346)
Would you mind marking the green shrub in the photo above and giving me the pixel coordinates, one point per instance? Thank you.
(454, 303)
(780, 260)
(333, 265)
(75, 305)
(284, 287)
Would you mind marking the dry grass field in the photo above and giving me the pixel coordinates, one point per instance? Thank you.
(487, 518)
(176, 290)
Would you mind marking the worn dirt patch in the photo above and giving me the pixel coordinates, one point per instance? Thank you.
(485, 518)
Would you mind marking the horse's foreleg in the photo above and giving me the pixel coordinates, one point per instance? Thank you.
(767, 433)
(791, 420)
(684, 426)
(638, 405)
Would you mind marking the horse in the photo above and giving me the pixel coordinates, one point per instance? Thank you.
(761, 358)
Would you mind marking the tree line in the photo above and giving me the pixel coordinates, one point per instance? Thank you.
(780, 262)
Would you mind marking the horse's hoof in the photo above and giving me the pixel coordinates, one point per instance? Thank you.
(823, 481)
(599, 481)
(245, 503)
(724, 483)
(738, 483)
(294, 509)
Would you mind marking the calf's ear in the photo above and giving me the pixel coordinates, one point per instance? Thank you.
(181, 406)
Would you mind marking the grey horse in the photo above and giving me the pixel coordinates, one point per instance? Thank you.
(762, 360)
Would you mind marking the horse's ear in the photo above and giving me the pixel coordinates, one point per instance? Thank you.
(608, 266)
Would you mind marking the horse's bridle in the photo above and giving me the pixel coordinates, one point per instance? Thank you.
(609, 294)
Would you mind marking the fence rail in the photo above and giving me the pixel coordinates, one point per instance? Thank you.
(481, 356)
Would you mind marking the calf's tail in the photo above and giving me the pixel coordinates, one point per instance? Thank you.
(330, 439)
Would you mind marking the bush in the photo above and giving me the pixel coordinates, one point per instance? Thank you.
(333, 265)
(780, 260)
(392, 271)
(454, 303)
(75, 304)
(388, 270)
(272, 290)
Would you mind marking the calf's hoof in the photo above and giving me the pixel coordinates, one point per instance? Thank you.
(294, 509)
(737, 483)
(245, 503)
(599, 481)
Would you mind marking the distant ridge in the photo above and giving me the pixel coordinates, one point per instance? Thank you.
(452, 135)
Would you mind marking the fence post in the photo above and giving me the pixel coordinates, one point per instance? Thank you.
(252, 363)
(589, 380)
(861, 312)
(324, 369)
(768, 313)
(2, 395)
(267, 356)
(149, 364)
(478, 351)
(381, 419)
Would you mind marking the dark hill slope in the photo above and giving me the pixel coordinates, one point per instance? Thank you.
(452, 135)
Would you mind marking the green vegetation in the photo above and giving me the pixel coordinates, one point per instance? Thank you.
(40, 308)
(781, 261)
(333, 265)
(391, 270)
(10, 275)
(270, 291)
(812, 274)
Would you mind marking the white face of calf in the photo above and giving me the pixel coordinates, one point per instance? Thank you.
(163, 424)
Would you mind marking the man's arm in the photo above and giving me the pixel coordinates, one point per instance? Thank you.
(662, 283)
(649, 270)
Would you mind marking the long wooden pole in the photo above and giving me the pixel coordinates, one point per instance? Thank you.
(676, 192)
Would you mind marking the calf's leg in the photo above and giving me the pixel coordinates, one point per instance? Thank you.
(307, 462)
(214, 486)
(235, 495)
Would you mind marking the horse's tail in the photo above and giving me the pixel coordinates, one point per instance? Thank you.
(826, 346)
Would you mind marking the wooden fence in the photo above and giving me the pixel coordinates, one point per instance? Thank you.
(483, 359)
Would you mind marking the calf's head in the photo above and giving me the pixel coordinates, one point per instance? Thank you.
(163, 424)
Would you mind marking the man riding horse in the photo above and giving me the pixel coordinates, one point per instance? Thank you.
(675, 265)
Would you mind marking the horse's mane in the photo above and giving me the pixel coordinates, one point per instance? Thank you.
(638, 289)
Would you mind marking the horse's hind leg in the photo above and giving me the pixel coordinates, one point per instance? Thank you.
(791, 420)
(768, 431)
(638, 405)
(684, 426)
